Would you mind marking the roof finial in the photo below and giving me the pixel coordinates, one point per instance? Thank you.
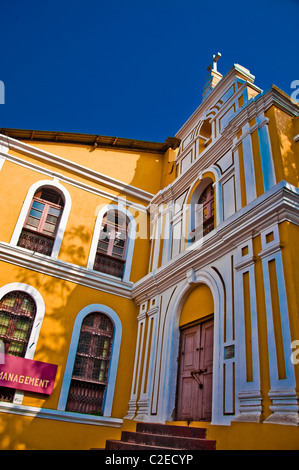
(213, 77)
(213, 64)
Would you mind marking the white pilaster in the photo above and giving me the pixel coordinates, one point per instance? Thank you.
(137, 363)
(265, 151)
(148, 365)
(237, 175)
(248, 165)
(250, 401)
(282, 377)
(167, 235)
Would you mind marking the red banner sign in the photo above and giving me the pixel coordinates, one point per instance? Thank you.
(26, 374)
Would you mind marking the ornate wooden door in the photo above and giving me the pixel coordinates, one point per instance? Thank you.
(194, 398)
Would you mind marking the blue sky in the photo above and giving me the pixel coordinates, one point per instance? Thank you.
(134, 68)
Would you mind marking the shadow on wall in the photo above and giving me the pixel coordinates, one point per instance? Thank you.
(285, 127)
(64, 300)
(74, 241)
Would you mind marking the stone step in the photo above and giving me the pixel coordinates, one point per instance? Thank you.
(163, 440)
(153, 436)
(171, 430)
(121, 445)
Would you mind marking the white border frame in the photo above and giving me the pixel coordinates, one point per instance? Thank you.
(24, 211)
(109, 393)
(36, 327)
(169, 365)
(130, 241)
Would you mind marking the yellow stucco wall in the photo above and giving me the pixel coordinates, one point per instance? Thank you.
(249, 436)
(63, 301)
(168, 174)
(34, 433)
(198, 304)
(130, 167)
(282, 129)
(285, 151)
(77, 238)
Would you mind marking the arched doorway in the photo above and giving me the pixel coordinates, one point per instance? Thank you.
(195, 370)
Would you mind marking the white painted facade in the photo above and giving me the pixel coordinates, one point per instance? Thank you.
(219, 260)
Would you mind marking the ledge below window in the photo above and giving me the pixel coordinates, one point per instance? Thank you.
(36, 242)
(64, 270)
(200, 232)
(59, 415)
(109, 265)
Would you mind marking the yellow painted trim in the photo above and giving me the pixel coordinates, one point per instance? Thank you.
(198, 304)
(277, 320)
(248, 329)
(275, 145)
(208, 174)
(262, 327)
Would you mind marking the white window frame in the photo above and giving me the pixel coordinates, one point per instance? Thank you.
(24, 212)
(36, 327)
(109, 392)
(131, 235)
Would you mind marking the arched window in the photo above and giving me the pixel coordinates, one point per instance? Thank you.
(42, 221)
(91, 367)
(202, 210)
(111, 248)
(205, 210)
(17, 313)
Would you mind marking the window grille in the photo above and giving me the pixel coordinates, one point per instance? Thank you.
(42, 222)
(111, 249)
(205, 209)
(17, 313)
(91, 367)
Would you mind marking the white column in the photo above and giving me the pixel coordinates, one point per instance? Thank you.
(250, 401)
(137, 363)
(282, 377)
(265, 151)
(248, 165)
(167, 235)
(235, 154)
(157, 238)
(144, 401)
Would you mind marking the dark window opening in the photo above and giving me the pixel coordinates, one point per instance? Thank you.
(91, 367)
(204, 214)
(42, 221)
(17, 313)
(111, 249)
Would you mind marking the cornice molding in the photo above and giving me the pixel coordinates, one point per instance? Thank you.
(273, 248)
(92, 140)
(205, 160)
(63, 270)
(235, 72)
(258, 105)
(226, 141)
(71, 181)
(75, 168)
(245, 264)
(279, 204)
